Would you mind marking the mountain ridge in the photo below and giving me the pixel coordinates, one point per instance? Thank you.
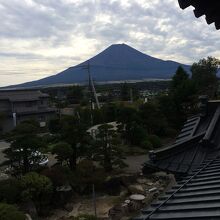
(118, 62)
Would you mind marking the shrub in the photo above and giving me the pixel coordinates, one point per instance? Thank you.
(86, 175)
(59, 175)
(54, 126)
(36, 187)
(10, 212)
(63, 152)
(147, 145)
(10, 191)
(155, 141)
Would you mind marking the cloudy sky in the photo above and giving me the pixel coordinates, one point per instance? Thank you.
(42, 37)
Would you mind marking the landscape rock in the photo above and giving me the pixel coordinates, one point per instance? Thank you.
(127, 179)
(136, 189)
(4, 176)
(160, 175)
(28, 217)
(142, 180)
(149, 184)
(124, 193)
(69, 207)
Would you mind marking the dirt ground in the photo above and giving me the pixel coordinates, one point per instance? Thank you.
(86, 206)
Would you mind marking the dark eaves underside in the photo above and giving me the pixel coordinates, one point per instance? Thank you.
(209, 8)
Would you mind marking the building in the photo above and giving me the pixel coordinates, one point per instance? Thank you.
(194, 158)
(198, 140)
(195, 197)
(21, 105)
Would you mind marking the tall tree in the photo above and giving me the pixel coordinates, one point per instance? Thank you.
(125, 92)
(75, 94)
(153, 119)
(181, 98)
(105, 148)
(24, 152)
(73, 132)
(63, 152)
(204, 76)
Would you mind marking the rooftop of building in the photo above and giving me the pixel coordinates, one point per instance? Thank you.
(209, 8)
(198, 138)
(22, 95)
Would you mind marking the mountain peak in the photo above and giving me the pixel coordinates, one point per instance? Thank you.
(117, 62)
(121, 45)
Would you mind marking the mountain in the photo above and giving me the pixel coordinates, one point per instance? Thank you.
(117, 62)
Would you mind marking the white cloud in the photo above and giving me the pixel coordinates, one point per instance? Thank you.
(42, 37)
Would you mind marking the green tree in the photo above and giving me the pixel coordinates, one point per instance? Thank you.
(153, 119)
(10, 212)
(54, 126)
(37, 188)
(23, 154)
(134, 133)
(63, 152)
(125, 92)
(204, 76)
(130, 125)
(75, 94)
(110, 112)
(74, 132)
(178, 79)
(181, 100)
(105, 148)
(10, 191)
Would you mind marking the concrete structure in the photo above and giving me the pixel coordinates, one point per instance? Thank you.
(21, 105)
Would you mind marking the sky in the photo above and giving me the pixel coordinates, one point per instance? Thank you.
(39, 38)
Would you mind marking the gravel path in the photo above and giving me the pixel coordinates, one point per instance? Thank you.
(135, 163)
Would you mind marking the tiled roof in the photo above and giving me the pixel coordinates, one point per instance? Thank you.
(198, 136)
(195, 197)
(22, 95)
(209, 8)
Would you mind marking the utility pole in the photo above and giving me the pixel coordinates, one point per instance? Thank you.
(90, 89)
(131, 95)
(94, 199)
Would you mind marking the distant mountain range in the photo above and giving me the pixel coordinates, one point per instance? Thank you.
(119, 62)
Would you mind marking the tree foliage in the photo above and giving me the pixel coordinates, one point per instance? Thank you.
(204, 76)
(181, 100)
(63, 152)
(36, 187)
(75, 94)
(10, 191)
(105, 148)
(74, 132)
(22, 155)
(10, 212)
